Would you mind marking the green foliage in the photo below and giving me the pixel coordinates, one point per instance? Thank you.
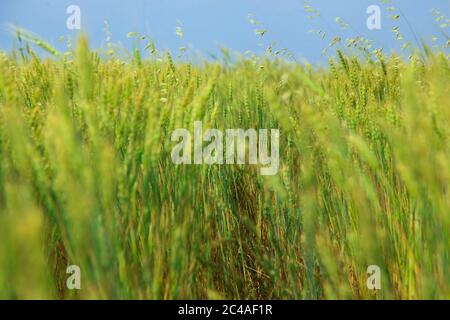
(86, 178)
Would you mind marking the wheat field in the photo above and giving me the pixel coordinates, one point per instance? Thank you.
(86, 177)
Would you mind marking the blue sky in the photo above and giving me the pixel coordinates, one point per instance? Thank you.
(206, 24)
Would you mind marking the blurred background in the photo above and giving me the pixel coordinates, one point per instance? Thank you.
(207, 25)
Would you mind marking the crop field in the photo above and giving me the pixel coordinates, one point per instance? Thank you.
(87, 178)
